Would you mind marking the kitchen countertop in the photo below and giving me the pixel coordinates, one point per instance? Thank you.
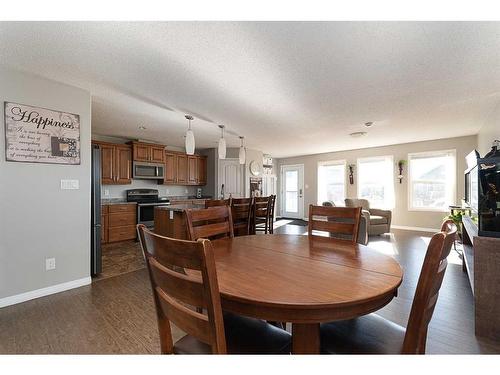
(109, 201)
(180, 207)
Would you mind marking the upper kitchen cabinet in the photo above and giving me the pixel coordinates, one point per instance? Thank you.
(192, 169)
(148, 152)
(116, 163)
(202, 170)
(170, 168)
(182, 169)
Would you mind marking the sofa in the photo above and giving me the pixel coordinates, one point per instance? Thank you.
(362, 232)
(378, 221)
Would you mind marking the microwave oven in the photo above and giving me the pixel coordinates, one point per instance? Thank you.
(148, 171)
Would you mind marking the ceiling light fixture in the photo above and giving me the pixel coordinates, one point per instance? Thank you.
(357, 134)
(368, 124)
(189, 137)
(142, 127)
(222, 144)
(243, 154)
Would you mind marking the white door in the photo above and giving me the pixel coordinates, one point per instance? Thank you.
(292, 191)
(231, 177)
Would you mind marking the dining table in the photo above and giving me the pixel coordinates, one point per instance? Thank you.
(303, 281)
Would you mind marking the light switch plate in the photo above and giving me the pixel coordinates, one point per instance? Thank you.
(106, 192)
(171, 214)
(70, 184)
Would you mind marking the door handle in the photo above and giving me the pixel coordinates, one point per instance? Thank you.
(300, 193)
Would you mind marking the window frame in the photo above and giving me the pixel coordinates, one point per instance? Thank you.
(436, 153)
(392, 204)
(328, 163)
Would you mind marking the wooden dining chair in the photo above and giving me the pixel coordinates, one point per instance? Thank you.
(372, 334)
(211, 223)
(192, 302)
(260, 214)
(217, 202)
(341, 223)
(241, 210)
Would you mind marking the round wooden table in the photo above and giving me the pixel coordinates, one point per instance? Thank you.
(290, 278)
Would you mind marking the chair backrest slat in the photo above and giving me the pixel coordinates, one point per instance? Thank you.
(217, 202)
(210, 223)
(341, 223)
(194, 323)
(180, 286)
(178, 294)
(429, 284)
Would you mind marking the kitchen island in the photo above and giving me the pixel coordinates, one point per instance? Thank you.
(170, 221)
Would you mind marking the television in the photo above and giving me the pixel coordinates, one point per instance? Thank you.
(482, 194)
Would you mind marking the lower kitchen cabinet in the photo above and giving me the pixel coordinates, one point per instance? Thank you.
(118, 222)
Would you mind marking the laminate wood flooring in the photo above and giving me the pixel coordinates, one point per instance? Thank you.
(116, 314)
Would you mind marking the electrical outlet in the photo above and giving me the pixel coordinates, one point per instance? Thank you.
(50, 264)
(167, 192)
(186, 191)
(106, 192)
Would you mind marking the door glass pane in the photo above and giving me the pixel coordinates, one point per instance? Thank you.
(291, 189)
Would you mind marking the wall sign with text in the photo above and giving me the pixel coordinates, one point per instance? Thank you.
(40, 135)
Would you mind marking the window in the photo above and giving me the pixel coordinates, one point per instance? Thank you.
(431, 180)
(376, 181)
(331, 182)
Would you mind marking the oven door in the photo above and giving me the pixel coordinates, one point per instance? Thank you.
(146, 213)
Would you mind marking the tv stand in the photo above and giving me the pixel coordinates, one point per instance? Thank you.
(481, 261)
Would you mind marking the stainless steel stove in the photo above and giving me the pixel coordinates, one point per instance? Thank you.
(147, 200)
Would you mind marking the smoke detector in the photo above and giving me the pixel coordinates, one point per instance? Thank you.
(368, 124)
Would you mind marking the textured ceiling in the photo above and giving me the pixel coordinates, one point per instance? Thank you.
(290, 88)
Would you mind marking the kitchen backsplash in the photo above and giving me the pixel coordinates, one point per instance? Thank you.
(119, 191)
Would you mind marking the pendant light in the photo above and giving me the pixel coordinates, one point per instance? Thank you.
(243, 153)
(222, 144)
(189, 137)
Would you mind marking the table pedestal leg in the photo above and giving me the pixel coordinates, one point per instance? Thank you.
(305, 338)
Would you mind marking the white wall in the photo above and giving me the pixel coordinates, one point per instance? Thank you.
(38, 220)
(401, 215)
(489, 132)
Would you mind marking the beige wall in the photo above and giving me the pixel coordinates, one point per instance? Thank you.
(401, 215)
(38, 220)
(489, 132)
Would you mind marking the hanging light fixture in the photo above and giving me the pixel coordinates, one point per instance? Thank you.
(243, 153)
(189, 137)
(222, 144)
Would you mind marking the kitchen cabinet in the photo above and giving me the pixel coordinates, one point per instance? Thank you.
(107, 164)
(123, 163)
(170, 168)
(202, 170)
(192, 169)
(118, 222)
(148, 152)
(182, 169)
(116, 163)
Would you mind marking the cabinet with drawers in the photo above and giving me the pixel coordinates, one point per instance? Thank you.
(118, 222)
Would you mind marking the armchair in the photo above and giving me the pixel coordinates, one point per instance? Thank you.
(378, 221)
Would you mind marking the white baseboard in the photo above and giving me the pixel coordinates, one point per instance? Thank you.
(418, 229)
(23, 297)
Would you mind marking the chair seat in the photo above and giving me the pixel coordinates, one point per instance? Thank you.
(369, 334)
(375, 219)
(243, 336)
